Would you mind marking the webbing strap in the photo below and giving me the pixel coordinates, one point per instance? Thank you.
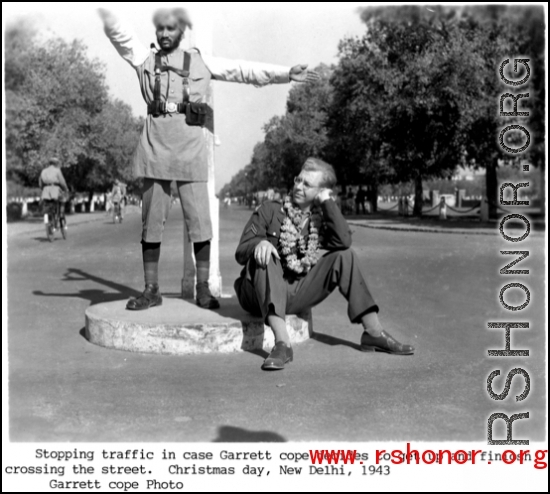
(185, 75)
(159, 68)
(158, 65)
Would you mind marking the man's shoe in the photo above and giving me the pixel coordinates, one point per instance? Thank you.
(150, 297)
(279, 356)
(384, 343)
(205, 299)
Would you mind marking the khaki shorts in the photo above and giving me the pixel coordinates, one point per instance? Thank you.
(156, 200)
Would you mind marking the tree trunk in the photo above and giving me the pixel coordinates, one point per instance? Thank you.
(542, 193)
(90, 199)
(418, 196)
(373, 197)
(491, 186)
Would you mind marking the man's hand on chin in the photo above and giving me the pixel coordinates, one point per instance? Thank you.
(323, 195)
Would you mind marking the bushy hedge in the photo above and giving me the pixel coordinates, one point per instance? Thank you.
(13, 210)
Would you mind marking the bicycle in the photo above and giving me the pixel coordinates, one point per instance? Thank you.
(117, 212)
(53, 220)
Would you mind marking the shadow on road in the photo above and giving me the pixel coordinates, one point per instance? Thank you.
(229, 434)
(333, 341)
(94, 296)
(44, 239)
(39, 218)
(259, 352)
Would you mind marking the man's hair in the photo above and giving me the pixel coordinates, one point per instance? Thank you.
(317, 165)
(54, 161)
(179, 14)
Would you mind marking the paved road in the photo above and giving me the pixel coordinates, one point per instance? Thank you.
(437, 291)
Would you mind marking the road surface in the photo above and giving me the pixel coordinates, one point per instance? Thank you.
(437, 291)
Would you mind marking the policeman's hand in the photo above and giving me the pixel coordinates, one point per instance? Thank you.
(263, 251)
(299, 73)
(107, 16)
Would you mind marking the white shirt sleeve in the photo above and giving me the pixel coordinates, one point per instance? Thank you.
(257, 74)
(126, 43)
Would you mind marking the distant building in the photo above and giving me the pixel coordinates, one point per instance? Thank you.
(469, 173)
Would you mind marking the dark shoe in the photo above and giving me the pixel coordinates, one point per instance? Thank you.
(384, 343)
(279, 356)
(205, 299)
(150, 297)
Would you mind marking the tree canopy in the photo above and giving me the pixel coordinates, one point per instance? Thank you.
(412, 99)
(57, 104)
(399, 92)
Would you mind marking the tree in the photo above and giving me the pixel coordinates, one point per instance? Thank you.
(53, 93)
(242, 184)
(300, 133)
(355, 148)
(398, 95)
(114, 135)
(57, 104)
(500, 32)
(306, 117)
(259, 175)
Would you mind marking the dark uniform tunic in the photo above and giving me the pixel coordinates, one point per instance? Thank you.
(273, 288)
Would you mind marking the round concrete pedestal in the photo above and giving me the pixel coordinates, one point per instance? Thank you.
(180, 327)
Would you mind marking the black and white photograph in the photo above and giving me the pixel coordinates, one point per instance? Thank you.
(265, 246)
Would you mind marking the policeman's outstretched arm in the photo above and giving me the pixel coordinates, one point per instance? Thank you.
(123, 38)
(299, 73)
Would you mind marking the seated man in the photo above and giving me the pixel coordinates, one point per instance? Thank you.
(283, 275)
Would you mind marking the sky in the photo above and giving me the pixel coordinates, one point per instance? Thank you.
(278, 33)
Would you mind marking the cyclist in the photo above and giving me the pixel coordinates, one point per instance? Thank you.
(52, 182)
(118, 196)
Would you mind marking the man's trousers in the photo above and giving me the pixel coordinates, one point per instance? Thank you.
(264, 290)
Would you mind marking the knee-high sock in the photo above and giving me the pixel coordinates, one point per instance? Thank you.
(202, 258)
(151, 256)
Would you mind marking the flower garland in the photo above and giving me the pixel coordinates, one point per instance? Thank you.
(299, 256)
